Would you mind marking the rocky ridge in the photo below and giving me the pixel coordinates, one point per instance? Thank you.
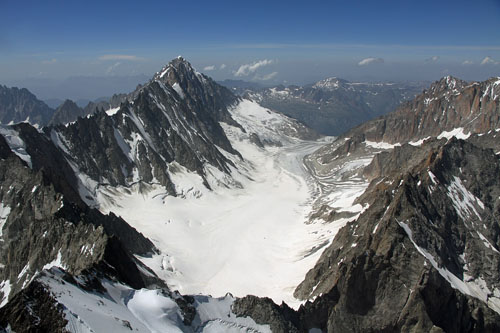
(67, 112)
(449, 104)
(18, 105)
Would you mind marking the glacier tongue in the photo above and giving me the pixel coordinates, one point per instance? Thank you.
(245, 239)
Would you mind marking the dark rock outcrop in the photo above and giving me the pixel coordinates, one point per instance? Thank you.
(17, 105)
(33, 309)
(376, 265)
(43, 221)
(281, 319)
(67, 112)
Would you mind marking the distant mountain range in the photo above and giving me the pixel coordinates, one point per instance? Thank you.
(78, 88)
(331, 106)
(20, 105)
(54, 103)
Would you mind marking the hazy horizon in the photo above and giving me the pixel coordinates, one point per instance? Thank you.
(43, 46)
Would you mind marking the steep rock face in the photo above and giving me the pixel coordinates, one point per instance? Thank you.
(281, 319)
(333, 106)
(204, 96)
(17, 105)
(33, 310)
(51, 164)
(41, 227)
(174, 117)
(45, 157)
(424, 253)
(447, 105)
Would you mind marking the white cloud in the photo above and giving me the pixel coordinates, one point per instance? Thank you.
(432, 59)
(265, 77)
(209, 68)
(112, 67)
(223, 66)
(489, 61)
(468, 62)
(49, 62)
(120, 57)
(369, 61)
(248, 69)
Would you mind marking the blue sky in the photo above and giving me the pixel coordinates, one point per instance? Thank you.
(281, 42)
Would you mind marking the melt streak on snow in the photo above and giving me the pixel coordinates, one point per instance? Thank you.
(244, 240)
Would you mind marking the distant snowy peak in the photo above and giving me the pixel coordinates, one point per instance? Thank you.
(335, 83)
(331, 83)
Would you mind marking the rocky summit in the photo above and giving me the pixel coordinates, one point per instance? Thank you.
(181, 207)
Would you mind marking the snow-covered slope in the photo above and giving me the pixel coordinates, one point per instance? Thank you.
(247, 239)
(119, 308)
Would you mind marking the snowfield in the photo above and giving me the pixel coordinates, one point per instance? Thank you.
(248, 236)
(120, 308)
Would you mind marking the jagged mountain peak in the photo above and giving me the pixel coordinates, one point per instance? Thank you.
(198, 90)
(4, 89)
(447, 84)
(19, 104)
(175, 117)
(195, 88)
(67, 112)
(179, 71)
(68, 103)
